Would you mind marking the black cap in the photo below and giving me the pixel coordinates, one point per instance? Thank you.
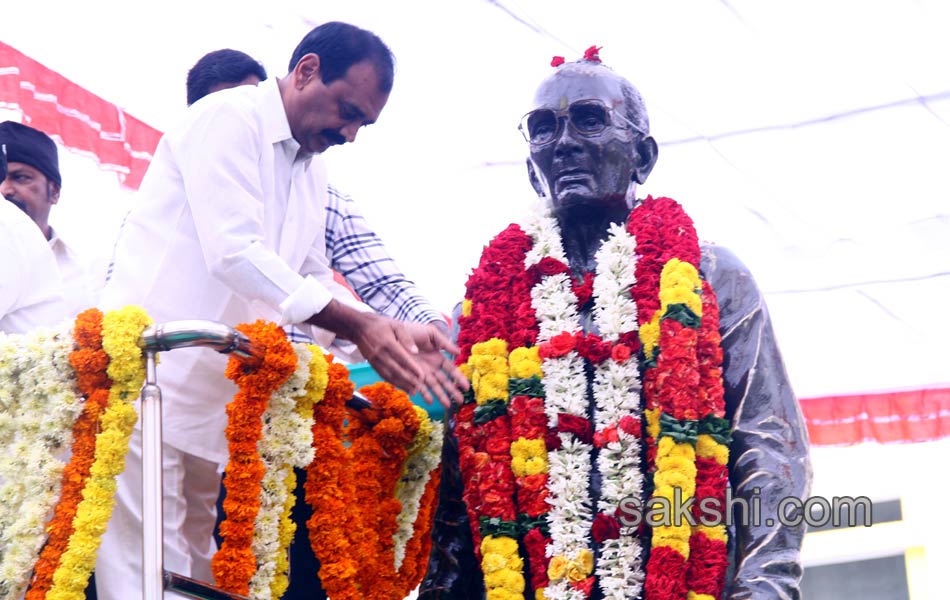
(30, 147)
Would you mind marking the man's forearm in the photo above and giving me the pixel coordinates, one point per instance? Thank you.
(341, 319)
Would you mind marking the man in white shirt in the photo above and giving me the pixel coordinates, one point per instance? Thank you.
(33, 182)
(31, 291)
(232, 224)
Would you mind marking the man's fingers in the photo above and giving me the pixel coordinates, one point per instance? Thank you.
(430, 339)
(426, 394)
(405, 339)
(398, 367)
(458, 379)
(444, 343)
(440, 387)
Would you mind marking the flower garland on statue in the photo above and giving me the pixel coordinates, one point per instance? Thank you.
(519, 267)
(684, 399)
(121, 331)
(616, 410)
(39, 405)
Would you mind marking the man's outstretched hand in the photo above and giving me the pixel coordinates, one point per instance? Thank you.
(408, 355)
(441, 378)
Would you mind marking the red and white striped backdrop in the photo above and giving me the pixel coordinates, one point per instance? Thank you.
(913, 415)
(78, 119)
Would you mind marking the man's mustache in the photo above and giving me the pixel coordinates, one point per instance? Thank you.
(333, 136)
(17, 203)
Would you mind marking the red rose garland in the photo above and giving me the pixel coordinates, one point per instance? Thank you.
(708, 551)
(505, 313)
(683, 381)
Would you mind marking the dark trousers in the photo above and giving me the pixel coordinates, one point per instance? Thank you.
(304, 583)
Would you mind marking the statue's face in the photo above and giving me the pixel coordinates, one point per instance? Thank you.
(590, 157)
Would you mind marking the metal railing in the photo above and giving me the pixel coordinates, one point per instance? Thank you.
(162, 338)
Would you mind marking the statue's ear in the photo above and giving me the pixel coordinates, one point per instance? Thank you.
(647, 152)
(533, 177)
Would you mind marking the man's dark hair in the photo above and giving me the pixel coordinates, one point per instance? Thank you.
(340, 46)
(220, 66)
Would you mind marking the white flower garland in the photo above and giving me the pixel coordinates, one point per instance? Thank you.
(616, 389)
(284, 444)
(616, 395)
(565, 387)
(424, 458)
(38, 402)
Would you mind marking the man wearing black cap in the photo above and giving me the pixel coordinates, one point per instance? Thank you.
(31, 291)
(33, 183)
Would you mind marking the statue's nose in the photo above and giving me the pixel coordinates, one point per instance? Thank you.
(566, 142)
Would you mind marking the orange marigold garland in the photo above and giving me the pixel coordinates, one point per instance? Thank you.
(351, 486)
(89, 361)
(379, 441)
(329, 491)
(234, 564)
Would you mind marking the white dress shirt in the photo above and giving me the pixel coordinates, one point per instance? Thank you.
(77, 286)
(31, 290)
(229, 226)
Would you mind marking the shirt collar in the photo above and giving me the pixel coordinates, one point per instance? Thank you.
(276, 125)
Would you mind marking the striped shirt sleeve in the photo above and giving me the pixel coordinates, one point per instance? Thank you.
(358, 254)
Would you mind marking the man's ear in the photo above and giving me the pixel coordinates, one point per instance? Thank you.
(647, 152)
(533, 178)
(308, 68)
(52, 192)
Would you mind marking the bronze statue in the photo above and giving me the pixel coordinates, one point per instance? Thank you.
(590, 147)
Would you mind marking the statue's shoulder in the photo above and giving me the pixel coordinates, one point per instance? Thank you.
(736, 290)
(716, 258)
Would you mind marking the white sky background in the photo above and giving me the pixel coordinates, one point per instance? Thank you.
(844, 220)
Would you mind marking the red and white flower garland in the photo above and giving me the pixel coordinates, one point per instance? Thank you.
(492, 448)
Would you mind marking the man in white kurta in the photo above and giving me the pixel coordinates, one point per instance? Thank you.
(230, 226)
(31, 290)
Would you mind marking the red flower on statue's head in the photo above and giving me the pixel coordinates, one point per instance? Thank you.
(557, 61)
(593, 53)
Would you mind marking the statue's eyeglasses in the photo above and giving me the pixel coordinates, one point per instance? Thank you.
(586, 117)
